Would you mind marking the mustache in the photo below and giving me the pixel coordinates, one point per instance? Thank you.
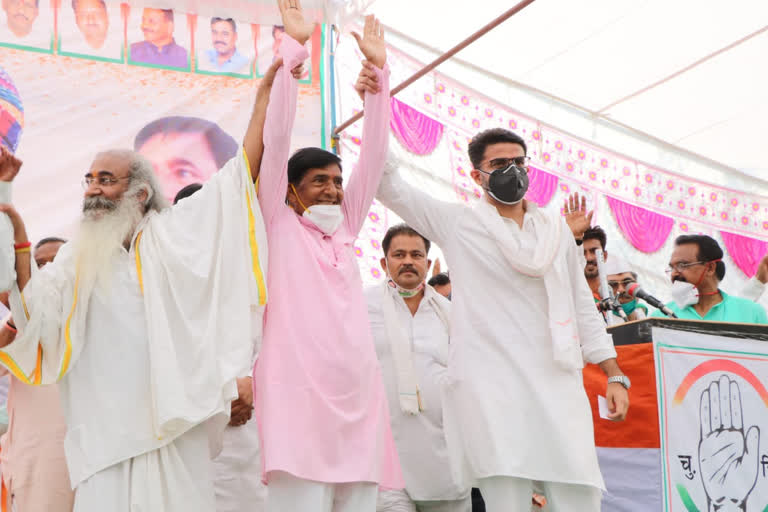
(679, 278)
(406, 268)
(220, 42)
(99, 203)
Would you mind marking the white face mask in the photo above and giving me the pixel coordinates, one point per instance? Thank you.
(327, 217)
(684, 294)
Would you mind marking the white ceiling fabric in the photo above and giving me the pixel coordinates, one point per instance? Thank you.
(680, 84)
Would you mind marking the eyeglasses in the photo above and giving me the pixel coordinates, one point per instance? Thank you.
(626, 283)
(102, 181)
(679, 267)
(503, 163)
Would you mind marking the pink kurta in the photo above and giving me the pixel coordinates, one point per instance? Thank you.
(318, 390)
(34, 468)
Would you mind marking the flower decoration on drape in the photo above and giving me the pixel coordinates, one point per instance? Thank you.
(744, 251)
(417, 132)
(645, 230)
(542, 187)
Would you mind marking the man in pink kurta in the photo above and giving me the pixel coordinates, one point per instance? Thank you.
(318, 391)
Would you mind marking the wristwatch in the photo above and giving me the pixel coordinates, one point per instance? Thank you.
(621, 379)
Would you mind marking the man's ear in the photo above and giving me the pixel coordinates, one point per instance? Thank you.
(477, 177)
(290, 197)
(383, 263)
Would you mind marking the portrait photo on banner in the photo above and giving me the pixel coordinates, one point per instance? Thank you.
(27, 24)
(184, 150)
(91, 29)
(224, 46)
(158, 38)
(268, 48)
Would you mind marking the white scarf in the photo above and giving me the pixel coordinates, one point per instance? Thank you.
(561, 311)
(402, 351)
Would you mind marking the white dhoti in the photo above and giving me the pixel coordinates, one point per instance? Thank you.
(288, 493)
(237, 471)
(175, 478)
(502, 493)
(399, 501)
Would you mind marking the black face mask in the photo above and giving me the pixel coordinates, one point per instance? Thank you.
(508, 185)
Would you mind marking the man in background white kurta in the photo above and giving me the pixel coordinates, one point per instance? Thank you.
(523, 321)
(146, 321)
(409, 321)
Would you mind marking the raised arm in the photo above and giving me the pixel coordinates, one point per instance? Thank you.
(281, 110)
(9, 169)
(253, 142)
(365, 179)
(23, 256)
(756, 286)
(433, 218)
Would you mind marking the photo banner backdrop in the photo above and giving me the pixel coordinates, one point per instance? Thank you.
(78, 77)
(713, 417)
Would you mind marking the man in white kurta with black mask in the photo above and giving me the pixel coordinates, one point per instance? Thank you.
(145, 319)
(410, 326)
(523, 323)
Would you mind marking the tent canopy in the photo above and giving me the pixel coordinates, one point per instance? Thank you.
(680, 84)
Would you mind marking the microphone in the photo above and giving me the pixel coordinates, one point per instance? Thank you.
(612, 305)
(637, 292)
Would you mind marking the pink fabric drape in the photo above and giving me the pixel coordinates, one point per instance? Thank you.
(646, 231)
(744, 251)
(542, 187)
(419, 133)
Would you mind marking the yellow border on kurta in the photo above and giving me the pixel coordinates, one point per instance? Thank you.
(138, 261)
(67, 336)
(257, 272)
(36, 377)
(13, 367)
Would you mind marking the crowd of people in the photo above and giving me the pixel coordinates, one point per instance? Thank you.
(221, 353)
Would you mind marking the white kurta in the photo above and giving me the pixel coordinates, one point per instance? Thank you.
(420, 439)
(237, 471)
(510, 410)
(155, 353)
(237, 467)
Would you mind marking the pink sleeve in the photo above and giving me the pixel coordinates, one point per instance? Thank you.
(281, 111)
(358, 194)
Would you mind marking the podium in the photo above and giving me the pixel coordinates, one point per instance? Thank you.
(697, 429)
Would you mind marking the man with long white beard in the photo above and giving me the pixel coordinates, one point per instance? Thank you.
(145, 319)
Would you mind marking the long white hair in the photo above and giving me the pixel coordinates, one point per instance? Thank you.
(107, 225)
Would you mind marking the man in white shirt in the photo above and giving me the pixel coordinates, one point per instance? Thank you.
(620, 277)
(523, 323)
(410, 328)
